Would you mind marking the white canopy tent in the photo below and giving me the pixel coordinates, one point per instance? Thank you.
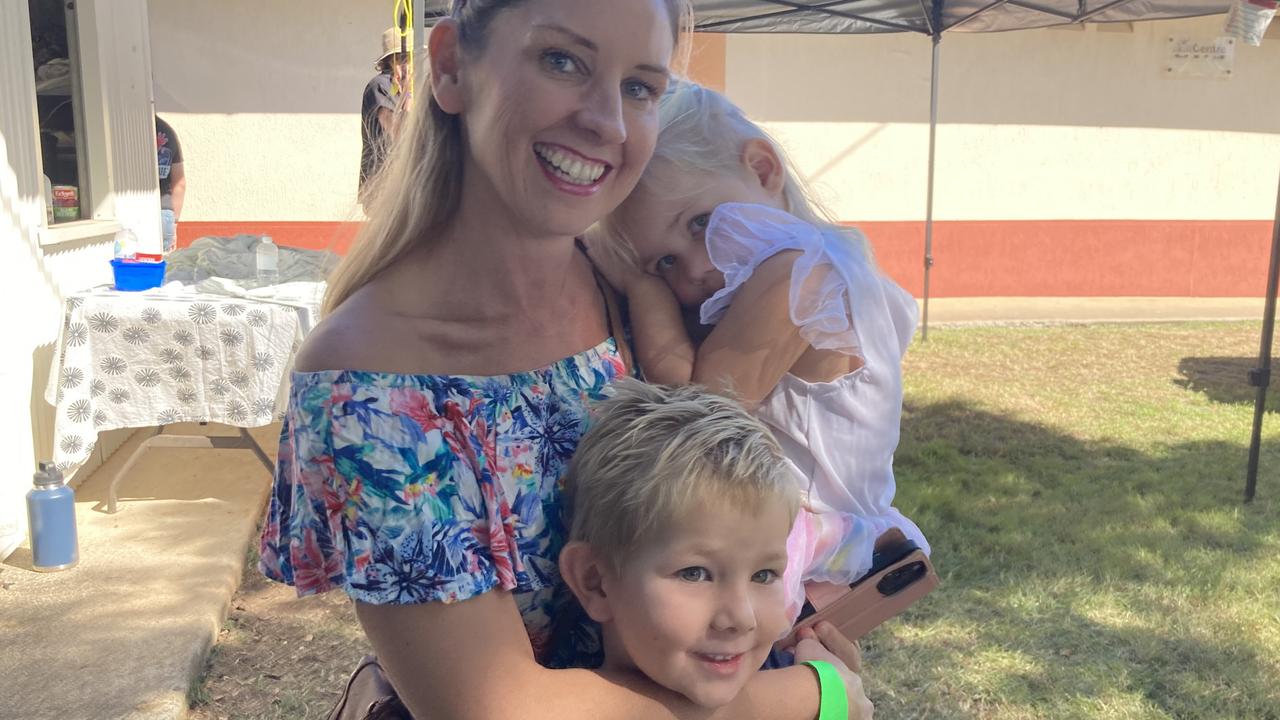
(934, 18)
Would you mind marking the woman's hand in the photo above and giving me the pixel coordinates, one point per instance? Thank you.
(829, 645)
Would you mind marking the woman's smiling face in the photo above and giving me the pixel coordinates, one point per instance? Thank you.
(559, 108)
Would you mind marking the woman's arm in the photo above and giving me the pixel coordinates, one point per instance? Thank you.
(473, 659)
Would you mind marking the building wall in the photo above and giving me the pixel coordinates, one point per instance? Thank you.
(1068, 161)
(39, 266)
(265, 98)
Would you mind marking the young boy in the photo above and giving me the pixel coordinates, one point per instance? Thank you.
(679, 508)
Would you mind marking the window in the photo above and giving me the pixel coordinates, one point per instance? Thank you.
(60, 108)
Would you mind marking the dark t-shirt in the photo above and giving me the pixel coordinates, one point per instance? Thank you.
(168, 154)
(377, 94)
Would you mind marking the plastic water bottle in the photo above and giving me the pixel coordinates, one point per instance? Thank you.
(126, 245)
(51, 519)
(48, 202)
(268, 262)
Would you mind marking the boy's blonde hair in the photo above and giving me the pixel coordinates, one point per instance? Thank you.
(655, 453)
(702, 131)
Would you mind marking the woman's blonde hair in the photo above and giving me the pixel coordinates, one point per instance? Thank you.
(702, 131)
(416, 193)
(655, 453)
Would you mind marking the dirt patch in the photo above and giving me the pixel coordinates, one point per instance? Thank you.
(279, 656)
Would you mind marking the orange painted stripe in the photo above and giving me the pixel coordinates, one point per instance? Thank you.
(1078, 258)
(1034, 258)
(334, 236)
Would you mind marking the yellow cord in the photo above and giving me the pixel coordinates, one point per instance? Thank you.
(404, 9)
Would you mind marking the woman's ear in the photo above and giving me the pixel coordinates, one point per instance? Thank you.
(761, 159)
(444, 54)
(584, 573)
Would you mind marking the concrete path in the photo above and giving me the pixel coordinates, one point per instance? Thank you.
(125, 633)
(948, 311)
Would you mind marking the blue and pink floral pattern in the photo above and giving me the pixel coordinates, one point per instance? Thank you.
(405, 489)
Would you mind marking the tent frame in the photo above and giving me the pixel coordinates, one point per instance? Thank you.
(933, 27)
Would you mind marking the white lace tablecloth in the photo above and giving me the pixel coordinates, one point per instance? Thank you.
(129, 359)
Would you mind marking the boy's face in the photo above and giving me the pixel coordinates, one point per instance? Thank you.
(667, 220)
(699, 610)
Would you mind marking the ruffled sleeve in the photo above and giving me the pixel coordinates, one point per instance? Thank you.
(383, 489)
(838, 299)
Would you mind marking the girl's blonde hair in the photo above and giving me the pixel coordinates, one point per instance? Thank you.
(655, 453)
(416, 193)
(702, 131)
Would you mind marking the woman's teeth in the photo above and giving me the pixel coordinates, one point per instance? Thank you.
(571, 169)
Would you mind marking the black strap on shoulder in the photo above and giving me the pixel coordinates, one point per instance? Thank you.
(612, 311)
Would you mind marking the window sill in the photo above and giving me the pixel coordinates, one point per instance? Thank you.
(78, 231)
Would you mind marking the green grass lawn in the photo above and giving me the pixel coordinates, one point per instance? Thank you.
(1082, 488)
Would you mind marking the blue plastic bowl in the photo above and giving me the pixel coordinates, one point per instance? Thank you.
(137, 275)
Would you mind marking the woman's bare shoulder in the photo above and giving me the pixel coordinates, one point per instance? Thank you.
(351, 338)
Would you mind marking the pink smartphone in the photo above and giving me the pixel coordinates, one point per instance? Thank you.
(900, 575)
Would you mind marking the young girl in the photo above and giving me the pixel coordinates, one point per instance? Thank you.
(805, 331)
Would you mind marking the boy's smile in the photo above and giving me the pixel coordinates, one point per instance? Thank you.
(699, 610)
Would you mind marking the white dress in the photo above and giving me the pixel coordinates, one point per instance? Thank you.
(838, 436)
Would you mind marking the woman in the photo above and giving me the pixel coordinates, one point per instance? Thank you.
(434, 410)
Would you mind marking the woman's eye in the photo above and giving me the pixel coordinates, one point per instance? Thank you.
(764, 577)
(561, 62)
(694, 574)
(637, 90)
(666, 262)
(699, 223)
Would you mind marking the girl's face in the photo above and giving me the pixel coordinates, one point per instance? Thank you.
(666, 220)
(559, 108)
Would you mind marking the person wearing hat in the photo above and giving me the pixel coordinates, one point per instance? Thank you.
(383, 99)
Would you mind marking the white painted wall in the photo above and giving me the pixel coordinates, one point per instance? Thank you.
(36, 273)
(1040, 124)
(265, 98)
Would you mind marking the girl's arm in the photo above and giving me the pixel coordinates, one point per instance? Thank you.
(664, 349)
(473, 659)
(755, 343)
(747, 353)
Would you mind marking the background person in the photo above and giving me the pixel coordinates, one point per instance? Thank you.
(381, 106)
(173, 182)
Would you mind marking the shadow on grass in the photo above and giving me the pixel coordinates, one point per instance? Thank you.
(1077, 573)
(1225, 380)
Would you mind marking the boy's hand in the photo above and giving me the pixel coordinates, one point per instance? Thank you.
(829, 645)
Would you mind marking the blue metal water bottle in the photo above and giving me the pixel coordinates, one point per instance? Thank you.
(51, 519)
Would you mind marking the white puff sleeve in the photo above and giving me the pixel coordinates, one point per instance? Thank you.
(838, 300)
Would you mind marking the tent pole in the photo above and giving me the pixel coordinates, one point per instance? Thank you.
(1260, 377)
(928, 212)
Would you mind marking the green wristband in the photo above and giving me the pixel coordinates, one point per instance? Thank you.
(833, 702)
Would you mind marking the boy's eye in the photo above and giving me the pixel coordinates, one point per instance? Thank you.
(666, 262)
(560, 62)
(694, 574)
(764, 577)
(699, 223)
